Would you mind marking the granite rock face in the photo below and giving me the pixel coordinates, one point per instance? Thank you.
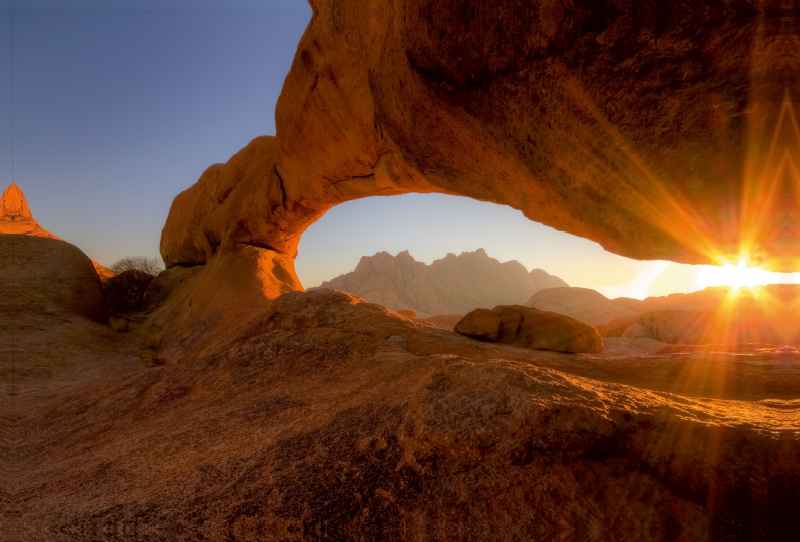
(530, 328)
(40, 273)
(16, 217)
(646, 127)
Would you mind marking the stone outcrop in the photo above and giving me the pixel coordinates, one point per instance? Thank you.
(577, 117)
(530, 328)
(15, 216)
(43, 275)
(40, 273)
(452, 285)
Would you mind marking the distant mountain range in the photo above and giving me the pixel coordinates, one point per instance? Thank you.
(452, 285)
(455, 285)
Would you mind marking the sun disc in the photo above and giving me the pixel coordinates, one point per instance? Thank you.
(740, 276)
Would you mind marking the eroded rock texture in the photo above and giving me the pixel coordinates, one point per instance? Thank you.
(332, 419)
(16, 217)
(530, 328)
(660, 130)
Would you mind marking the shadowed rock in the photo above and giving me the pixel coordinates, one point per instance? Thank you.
(531, 328)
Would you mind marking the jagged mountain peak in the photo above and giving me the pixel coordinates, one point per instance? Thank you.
(450, 285)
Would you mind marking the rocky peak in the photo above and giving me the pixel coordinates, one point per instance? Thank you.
(13, 203)
(451, 285)
(15, 216)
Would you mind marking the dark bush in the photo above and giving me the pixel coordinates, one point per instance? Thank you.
(125, 292)
(151, 266)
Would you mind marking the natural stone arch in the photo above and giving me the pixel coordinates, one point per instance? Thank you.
(645, 130)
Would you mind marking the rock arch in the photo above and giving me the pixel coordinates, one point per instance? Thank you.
(645, 128)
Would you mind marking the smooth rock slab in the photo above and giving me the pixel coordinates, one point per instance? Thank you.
(531, 328)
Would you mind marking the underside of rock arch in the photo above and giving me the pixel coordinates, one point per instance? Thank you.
(659, 130)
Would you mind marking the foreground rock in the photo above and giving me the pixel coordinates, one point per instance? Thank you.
(452, 285)
(531, 328)
(331, 418)
(44, 275)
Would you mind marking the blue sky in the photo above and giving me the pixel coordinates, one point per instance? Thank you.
(121, 104)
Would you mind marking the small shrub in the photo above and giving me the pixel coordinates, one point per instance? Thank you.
(125, 291)
(151, 266)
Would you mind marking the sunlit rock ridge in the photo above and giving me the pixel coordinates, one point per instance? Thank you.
(15, 216)
(451, 285)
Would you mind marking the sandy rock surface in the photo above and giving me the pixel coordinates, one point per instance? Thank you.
(329, 417)
(45, 275)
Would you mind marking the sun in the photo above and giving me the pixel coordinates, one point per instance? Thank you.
(741, 276)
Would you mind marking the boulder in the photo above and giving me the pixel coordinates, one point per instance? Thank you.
(45, 275)
(481, 324)
(531, 328)
(543, 330)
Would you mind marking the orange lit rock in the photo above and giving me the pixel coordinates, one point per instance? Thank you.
(531, 328)
(481, 324)
(630, 124)
(102, 271)
(41, 275)
(335, 417)
(15, 216)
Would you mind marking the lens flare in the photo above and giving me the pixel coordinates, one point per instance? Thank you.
(741, 276)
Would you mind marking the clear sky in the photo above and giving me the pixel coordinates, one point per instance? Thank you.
(118, 105)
